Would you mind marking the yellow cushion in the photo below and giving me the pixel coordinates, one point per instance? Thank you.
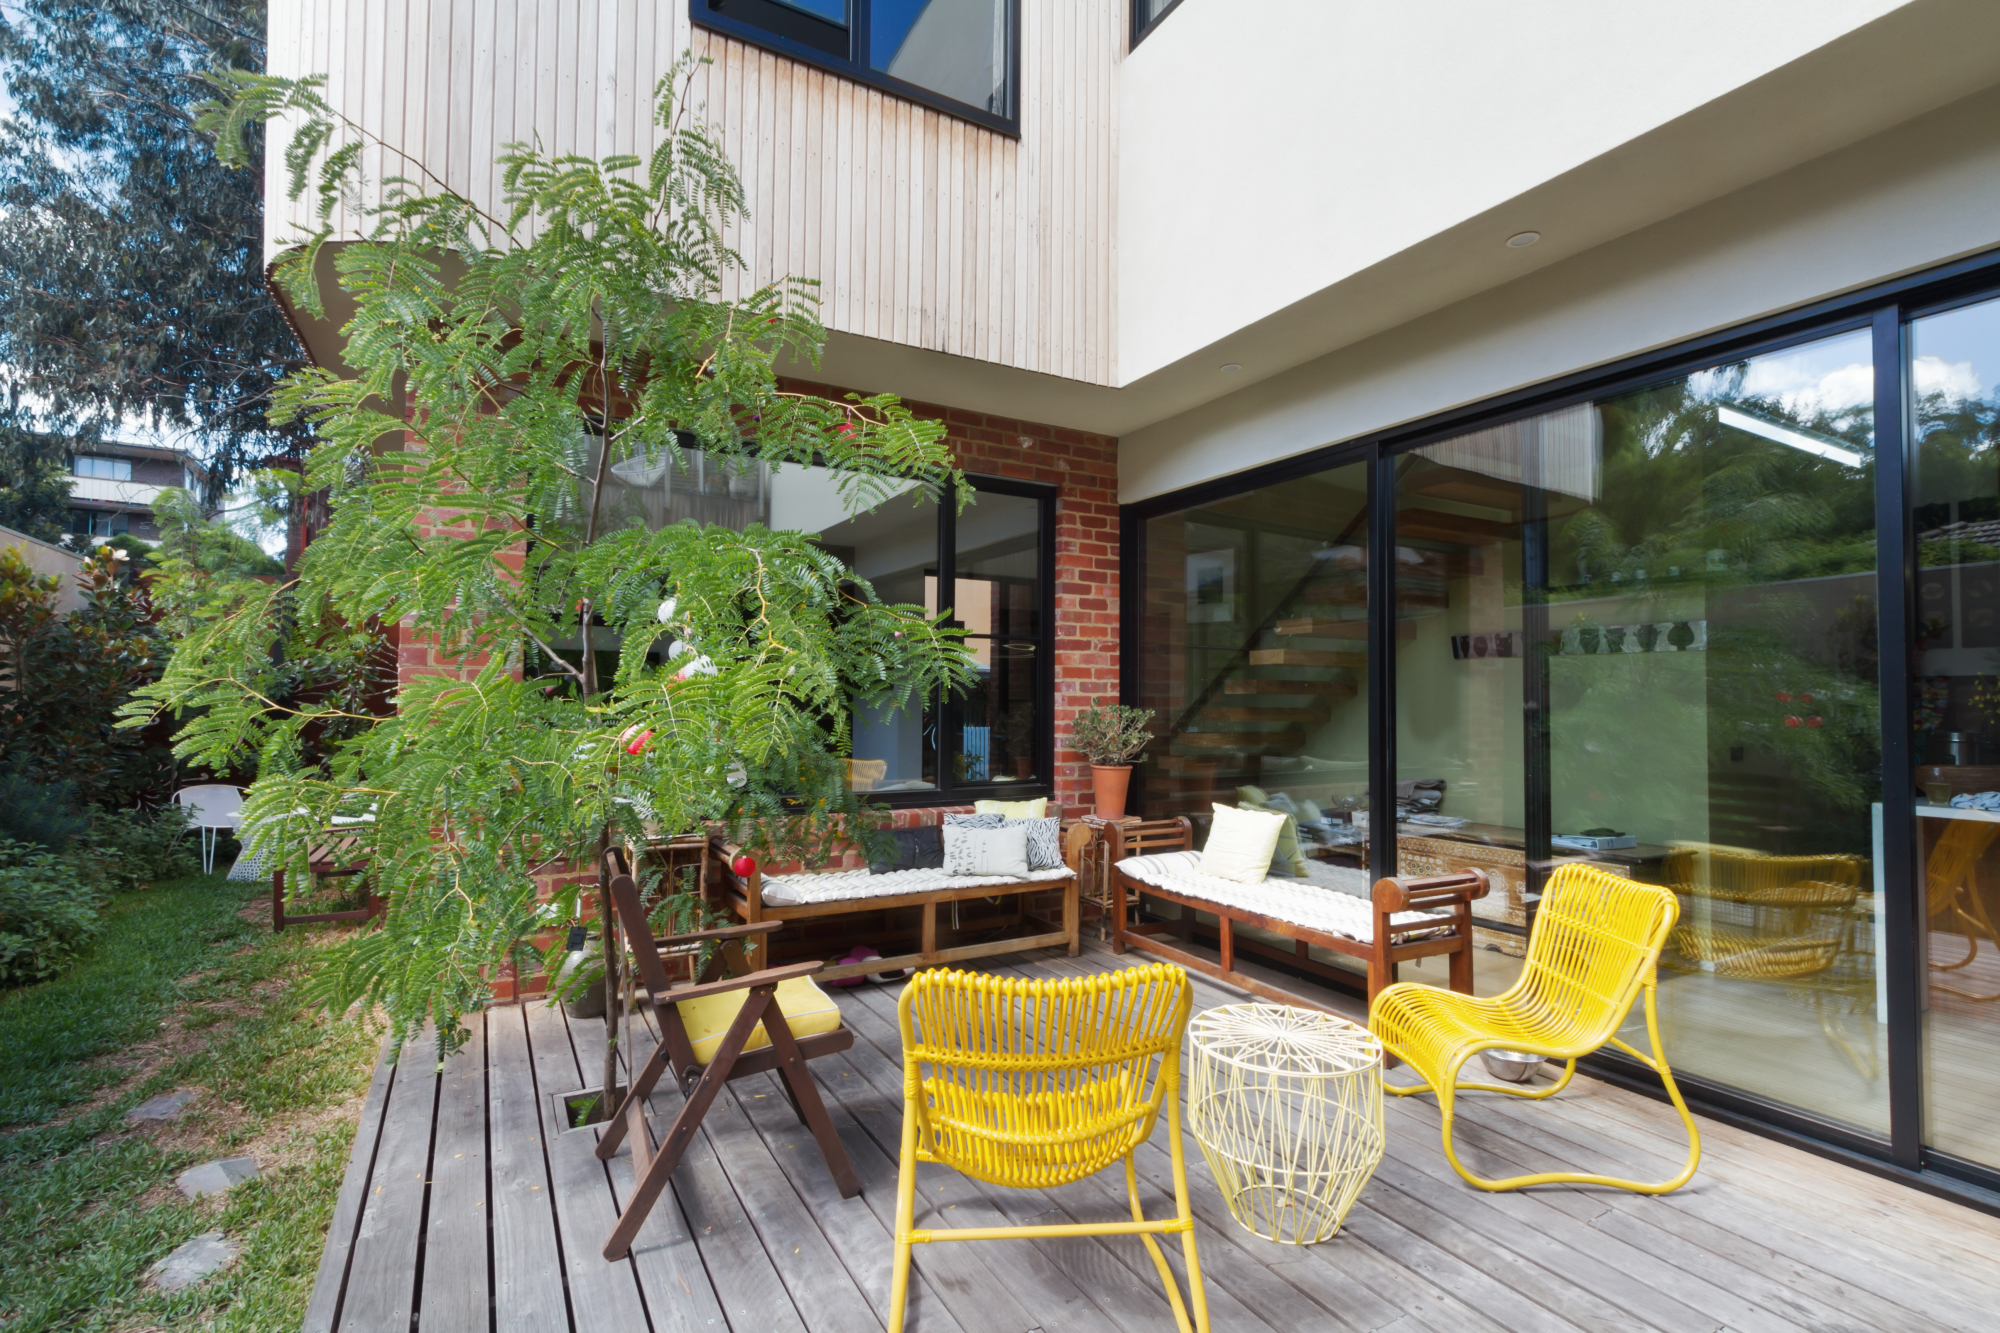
(805, 1006)
(1035, 809)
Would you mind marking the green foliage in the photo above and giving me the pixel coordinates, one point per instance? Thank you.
(123, 850)
(1111, 734)
(73, 672)
(47, 913)
(135, 259)
(34, 811)
(581, 327)
(209, 545)
(34, 476)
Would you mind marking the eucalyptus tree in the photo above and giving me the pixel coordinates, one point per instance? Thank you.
(533, 347)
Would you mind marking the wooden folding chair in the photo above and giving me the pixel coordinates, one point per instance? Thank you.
(756, 1039)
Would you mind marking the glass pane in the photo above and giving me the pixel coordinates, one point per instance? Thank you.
(1255, 624)
(998, 720)
(955, 48)
(820, 24)
(1955, 375)
(1149, 10)
(1713, 708)
(999, 565)
(1460, 784)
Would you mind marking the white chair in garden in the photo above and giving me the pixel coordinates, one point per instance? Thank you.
(212, 807)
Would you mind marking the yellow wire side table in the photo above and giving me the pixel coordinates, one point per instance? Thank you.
(1287, 1107)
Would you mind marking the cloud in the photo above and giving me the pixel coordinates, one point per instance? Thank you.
(1807, 392)
(1956, 380)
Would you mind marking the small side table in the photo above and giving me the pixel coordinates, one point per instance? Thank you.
(1094, 879)
(1287, 1107)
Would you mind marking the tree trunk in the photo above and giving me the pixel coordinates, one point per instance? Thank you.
(613, 994)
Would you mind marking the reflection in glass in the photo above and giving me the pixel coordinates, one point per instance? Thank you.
(1712, 685)
(997, 599)
(1955, 379)
(820, 24)
(1255, 622)
(955, 48)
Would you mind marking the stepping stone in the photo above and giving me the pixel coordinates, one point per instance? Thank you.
(210, 1252)
(198, 1182)
(167, 1106)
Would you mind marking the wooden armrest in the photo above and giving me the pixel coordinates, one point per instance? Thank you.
(720, 933)
(770, 976)
(1402, 893)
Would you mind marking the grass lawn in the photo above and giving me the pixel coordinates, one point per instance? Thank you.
(186, 989)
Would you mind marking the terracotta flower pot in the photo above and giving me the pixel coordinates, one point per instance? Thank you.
(1108, 784)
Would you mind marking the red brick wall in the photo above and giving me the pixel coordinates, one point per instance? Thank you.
(1085, 467)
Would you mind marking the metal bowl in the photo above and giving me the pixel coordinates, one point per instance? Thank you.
(1513, 1066)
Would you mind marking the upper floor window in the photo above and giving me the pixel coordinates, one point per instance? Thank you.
(955, 55)
(109, 469)
(1146, 16)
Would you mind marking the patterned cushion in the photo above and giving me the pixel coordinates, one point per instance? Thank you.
(1333, 899)
(985, 851)
(993, 820)
(1044, 841)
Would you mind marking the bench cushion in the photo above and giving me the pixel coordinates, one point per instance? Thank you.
(806, 1008)
(1331, 899)
(859, 885)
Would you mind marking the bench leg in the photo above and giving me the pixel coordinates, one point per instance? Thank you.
(929, 946)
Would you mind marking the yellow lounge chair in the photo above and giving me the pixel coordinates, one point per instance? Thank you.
(1033, 1084)
(1594, 948)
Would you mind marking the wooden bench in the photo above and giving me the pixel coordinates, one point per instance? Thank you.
(1402, 919)
(811, 895)
(334, 855)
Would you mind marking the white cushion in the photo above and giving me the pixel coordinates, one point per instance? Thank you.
(1332, 899)
(1241, 844)
(982, 851)
(839, 886)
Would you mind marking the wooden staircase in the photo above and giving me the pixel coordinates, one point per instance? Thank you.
(1280, 687)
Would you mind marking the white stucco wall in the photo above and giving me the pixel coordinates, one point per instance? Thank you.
(1922, 193)
(1269, 151)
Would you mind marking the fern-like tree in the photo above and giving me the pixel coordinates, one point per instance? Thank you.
(532, 350)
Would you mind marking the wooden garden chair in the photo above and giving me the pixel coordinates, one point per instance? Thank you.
(1593, 950)
(719, 1028)
(1033, 1084)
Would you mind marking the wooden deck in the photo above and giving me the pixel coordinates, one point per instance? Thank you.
(466, 1208)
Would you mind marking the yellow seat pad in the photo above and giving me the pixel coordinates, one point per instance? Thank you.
(806, 1008)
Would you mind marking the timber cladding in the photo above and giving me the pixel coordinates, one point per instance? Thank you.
(921, 228)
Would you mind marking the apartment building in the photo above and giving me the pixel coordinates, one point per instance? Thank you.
(116, 483)
(1546, 430)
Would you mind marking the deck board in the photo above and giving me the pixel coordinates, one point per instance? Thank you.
(753, 1235)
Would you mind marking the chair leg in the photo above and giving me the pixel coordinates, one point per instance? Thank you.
(906, 1215)
(1658, 1063)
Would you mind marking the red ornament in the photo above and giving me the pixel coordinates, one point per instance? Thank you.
(1813, 722)
(1805, 698)
(1791, 721)
(744, 866)
(1783, 697)
(638, 745)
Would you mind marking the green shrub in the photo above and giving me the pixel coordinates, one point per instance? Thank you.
(48, 912)
(43, 813)
(122, 850)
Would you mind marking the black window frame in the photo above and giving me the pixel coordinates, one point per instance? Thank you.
(949, 791)
(1142, 26)
(856, 68)
(1886, 308)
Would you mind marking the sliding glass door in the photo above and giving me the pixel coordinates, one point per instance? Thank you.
(1955, 743)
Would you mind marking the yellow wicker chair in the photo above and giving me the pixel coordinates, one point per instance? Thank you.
(1594, 948)
(1032, 1084)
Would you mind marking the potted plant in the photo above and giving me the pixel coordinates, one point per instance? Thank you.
(1111, 737)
